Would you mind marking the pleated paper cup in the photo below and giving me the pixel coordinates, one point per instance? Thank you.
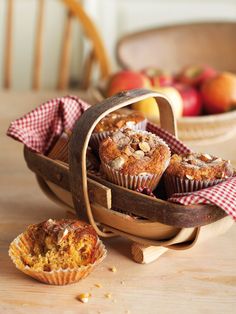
(132, 182)
(97, 138)
(21, 245)
(175, 184)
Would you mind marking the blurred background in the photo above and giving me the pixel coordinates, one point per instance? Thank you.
(71, 46)
(113, 19)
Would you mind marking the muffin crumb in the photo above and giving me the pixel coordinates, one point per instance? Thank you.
(84, 297)
(113, 269)
(108, 295)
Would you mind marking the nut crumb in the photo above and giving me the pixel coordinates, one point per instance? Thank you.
(117, 163)
(98, 285)
(84, 297)
(205, 157)
(138, 154)
(122, 282)
(144, 146)
(108, 295)
(189, 177)
(113, 269)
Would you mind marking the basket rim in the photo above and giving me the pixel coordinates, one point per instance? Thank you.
(220, 117)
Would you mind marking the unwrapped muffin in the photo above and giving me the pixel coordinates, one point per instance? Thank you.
(134, 159)
(115, 121)
(57, 252)
(195, 171)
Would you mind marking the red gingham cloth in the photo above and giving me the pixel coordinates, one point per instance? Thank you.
(176, 146)
(38, 129)
(222, 195)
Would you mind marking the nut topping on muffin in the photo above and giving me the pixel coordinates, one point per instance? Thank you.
(195, 171)
(200, 167)
(117, 163)
(117, 120)
(134, 153)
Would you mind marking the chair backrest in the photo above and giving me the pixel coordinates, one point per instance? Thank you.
(173, 47)
(97, 52)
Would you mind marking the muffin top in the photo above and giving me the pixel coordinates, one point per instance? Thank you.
(56, 244)
(135, 152)
(198, 166)
(117, 120)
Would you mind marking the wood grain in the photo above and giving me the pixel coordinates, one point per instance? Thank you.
(8, 45)
(37, 69)
(57, 173)
(63, 78)
(197, 280)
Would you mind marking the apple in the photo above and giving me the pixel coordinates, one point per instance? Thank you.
(150, 109)
(126, 80)
(219, 93)
(157, 77)
(195, 75)
(192, 100)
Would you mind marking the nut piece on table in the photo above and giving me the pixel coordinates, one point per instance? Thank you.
(84, 297)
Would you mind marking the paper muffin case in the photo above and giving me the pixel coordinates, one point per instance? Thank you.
(97, 138)
(56, 277)
(131, 182)
(178, 185)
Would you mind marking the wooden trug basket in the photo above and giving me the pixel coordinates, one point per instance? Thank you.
(165, 225)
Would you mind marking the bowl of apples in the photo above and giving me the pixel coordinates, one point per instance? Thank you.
(203, 99)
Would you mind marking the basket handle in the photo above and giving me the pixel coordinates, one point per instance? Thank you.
(82, 132)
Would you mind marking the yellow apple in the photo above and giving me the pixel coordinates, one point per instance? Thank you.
(150, 109)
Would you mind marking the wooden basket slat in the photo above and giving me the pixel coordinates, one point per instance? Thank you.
(124, 199)
(58, 173)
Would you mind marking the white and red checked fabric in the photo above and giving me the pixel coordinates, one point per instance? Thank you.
(222, 195)
(176, 146)
(38, 128)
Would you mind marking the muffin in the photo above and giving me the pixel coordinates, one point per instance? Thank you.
(195, 171)
(57, 252)
(134, 159)
(115, 121)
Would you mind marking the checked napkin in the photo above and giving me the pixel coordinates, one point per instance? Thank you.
(41, 127)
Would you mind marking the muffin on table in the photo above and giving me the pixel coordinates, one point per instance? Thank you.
(57, 251)
(195, 171)
(115, 121)
(134, 159)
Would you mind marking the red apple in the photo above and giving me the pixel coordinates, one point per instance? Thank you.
(157, 77)
(126, 80)
(219, 93)
(192, 101)
(195, 75)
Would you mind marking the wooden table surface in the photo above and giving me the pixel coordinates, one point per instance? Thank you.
(199, 280)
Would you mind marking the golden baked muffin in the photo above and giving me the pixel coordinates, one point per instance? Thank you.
(118, 120)
(134, 158)
(59, 251)
(194, 171)
(113, 122)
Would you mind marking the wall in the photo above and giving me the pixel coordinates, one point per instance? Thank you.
(118, 17)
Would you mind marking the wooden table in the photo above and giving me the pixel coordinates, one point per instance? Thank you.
(199, 280)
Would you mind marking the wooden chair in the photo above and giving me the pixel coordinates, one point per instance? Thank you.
(172, 47)
(74, 11)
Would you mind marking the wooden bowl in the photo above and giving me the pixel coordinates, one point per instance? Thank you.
(211, 128)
